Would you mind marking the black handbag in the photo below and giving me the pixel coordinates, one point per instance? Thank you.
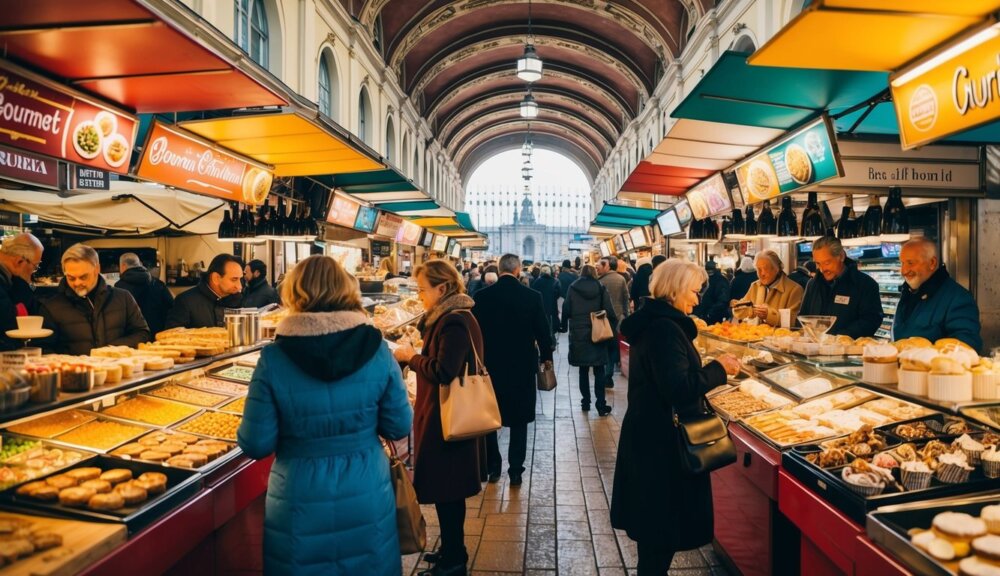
(703, 441)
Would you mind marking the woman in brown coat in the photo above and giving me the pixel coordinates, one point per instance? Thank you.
(446, 473)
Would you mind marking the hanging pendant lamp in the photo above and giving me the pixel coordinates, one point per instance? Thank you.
(871, 223)
(529, 108)
(812, 220)
(768, 225)
(895, 222)
(788, 227)
(737, 229)
(529, 66)
(750, 226)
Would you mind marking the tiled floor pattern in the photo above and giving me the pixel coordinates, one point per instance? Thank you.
(557, 521)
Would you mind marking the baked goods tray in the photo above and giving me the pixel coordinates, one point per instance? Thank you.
(181, 426)
(233, 452)
(986, 414)
(828, 485)
(718, 403)
(889, 526)
(181, 485)
(70, 439)
(225, 372)
(789, 377)
(41, 459)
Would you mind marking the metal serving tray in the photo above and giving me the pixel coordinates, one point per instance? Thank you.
(217, 373)
(732, 389)
(177, 427)
(804, 371)
(234, 452)
(14, 467)
(69, 443)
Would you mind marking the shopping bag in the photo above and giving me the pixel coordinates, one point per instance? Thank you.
(600, 327)
(410, 521)
(469, 406)
(546, 377)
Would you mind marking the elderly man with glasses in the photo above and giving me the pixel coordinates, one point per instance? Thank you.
(20, 257)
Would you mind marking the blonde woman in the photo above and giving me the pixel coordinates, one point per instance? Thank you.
(320, 397)
(659, 506)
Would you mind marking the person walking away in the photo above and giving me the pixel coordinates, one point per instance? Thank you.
(567, 275)
(654, 500)
(258, 293)
(549, 288)
(587, 295)
(640, 284)
(617, 287)
(714, 306)
(744, 276)
(446, 473)
(320, 397)
(515, 333)
(151, 294)
(475, 282)
(20, 256)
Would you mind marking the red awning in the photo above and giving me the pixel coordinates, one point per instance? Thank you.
(649, 178)
(130, 54)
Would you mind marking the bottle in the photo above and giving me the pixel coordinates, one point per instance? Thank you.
(787, 226)
(871, 222)
(281, 225)
(895, 222)
(812, 219)
(846, 227)
(261, 228)
(750, 226)
(226, 226)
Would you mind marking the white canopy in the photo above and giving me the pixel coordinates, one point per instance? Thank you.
(128, 207)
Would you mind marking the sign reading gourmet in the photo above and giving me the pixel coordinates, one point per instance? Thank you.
(28, 168)
(41, 116)
(950, 91)
(803, 158)
(176, 158)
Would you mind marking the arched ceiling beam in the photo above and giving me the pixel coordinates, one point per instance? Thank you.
(551, 114)
(541, 141)
(520, 125)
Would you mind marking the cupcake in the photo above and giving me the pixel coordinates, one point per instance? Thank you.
(913, 342)
(880, 364)
(973, 449)
(991, 462)
(916, 475)
(949, 380)
(991, 515)
(953, 468)
(958, 527)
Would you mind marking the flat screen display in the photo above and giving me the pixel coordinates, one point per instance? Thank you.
(619, 245)
(638, 236)
(366, 218)
(710, 198)
(628, 242)
(343, 211)
(440, 243)
(683, 213)
(450, 246)
(605, 251)
(456, 250)
(388, 225)
(428, 239)
(668, 223)
(409, 234)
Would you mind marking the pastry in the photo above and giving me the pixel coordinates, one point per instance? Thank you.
(154, 455)
(953, 467)
(99, 486)
(172, 448)
(11, 550)
(151, 486)
(46, 540)
(991, 462)
(109, 501)
(182, 461)
(27, 489)
(154, 476)
(117, 475)
(132, 450)
(61, 481)
(197, 460)
(75, 496)
(46, 494)
(977, 566)
(905, 452)
(946, 365)
(84, 474)
(917, 359)
(973, 449)
(131, 493)
(912, 343)
(150, 441)
(843, 340)
(880, 353)
(958, 527)
(943, 343)
(884, 460)
(991, 515)
(915, 475)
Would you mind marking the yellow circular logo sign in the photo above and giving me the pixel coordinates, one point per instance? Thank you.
(923, 108)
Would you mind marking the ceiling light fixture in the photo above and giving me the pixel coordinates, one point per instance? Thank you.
(529, 108)
(529, 66)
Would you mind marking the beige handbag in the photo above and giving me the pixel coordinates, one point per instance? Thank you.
(469, 406)
(600, 327)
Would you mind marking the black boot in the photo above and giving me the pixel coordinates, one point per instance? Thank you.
(585, 406)
(455, 570)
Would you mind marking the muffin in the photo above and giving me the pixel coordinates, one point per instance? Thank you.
(915, 474)
(991, 462)
(949, 380)
(953, 468)
(973, 448)
(984, 383)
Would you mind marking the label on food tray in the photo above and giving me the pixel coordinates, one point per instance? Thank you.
(39, 115)
(177, 158)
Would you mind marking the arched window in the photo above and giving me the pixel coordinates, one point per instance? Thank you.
(251, 29)
(744, 44)
(377, 33)
(323, 92)
(404, 156)
(364, 116)
(390, 140)
(528, 249)
(416, 163)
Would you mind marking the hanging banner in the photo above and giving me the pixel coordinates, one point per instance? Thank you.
(803, 158)
(949, 91)
(343, 211)
(176, 158)
(39, 115)
(709, 198)
(28, 168)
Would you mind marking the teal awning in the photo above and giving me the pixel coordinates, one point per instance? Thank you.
(881, 120)
(465, 221)
(738, 93)
(388, 180)
(624, 217)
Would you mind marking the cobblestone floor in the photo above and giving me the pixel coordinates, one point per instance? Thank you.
(557, 522)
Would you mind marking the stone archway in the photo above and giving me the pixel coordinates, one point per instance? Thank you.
(528, 249)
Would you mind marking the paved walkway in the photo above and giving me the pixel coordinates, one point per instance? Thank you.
(557, 522)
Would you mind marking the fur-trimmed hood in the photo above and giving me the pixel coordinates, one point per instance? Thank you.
(328, 345)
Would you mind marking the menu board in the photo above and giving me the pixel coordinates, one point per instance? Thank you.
(683, 213)
(456, 250)
(619, 245)
(450, 246)
(365, 220)
(628, 242)
(440, 243)
(388, 225)
(343, 211)
(668, 223)
(638, 236)
(801, 159)
(42, 116)
(605, 250)
(409, 234)
(709, 198)
(428, 239)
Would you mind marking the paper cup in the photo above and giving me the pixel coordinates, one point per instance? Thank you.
(785, 314)
(913, 382)
(950, 387)
(880, 372)
(952, 474)
(915, 480)
(984, 386)
(32, 323)
(991, 468)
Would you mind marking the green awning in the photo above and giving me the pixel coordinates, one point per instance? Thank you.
(738, 93)
(388, 180)
(624, 217)
(465, 221)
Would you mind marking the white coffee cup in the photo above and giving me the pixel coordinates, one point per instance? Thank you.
(786, 317)
(29, 323)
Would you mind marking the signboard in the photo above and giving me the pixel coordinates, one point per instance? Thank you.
(881, 174)
(668, 223)
(619, 244)
(84, 178)
(580, 246)
(381, 248)
(456, 250)
(709, 198)
(409, 234)
(949, 91)
(683, 213)
(440, 243)
(450, 246)
(180, 159)
(428, 239)
(638, 235)
(801, 159)
(39, 115)
(29, 168)
(343, 211)
(388, 225)
(365, 220)
(627, 240)
(605, 250)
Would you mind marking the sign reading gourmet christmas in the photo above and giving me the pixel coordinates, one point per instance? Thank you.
(41, 116)
(177, 158)
(807, 156)
(950, 91)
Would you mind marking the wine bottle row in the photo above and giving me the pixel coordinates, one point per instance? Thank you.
(269, 222)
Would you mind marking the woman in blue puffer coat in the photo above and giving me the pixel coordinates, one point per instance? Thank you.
(320, 397)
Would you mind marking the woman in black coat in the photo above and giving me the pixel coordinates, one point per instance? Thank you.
(548, 287)
(653, 500)
(640, 285)
(584, 296)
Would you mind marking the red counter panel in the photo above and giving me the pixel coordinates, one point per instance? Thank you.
(870, 560)
(825, 531)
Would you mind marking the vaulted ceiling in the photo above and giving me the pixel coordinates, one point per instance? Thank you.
(456, 59)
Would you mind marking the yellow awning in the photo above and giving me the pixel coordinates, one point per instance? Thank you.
(293, 144)
(873, 35)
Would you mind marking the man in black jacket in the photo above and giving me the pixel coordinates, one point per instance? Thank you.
(512, 320)
(205, 305)
(258, 292)
(20, 256)
(714, 305)
(566, 277)
(549, 288)
(840, 289)
(151, 294)
(86, 313)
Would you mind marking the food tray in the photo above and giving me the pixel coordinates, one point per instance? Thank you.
(208, 414)
(233, 452)
(149, 410)
(189, 395)
(35, 462)
(181, 484)
(751, 422)
(934, 422)
(988, 415)
(100, 428)
(52, 425)
(718, 403)
(249, 360)
(232, 373)
(789, 376)
(889, 527)
(217, 385)
(234, 407)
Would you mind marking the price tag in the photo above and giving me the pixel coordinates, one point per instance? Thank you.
(106, 402)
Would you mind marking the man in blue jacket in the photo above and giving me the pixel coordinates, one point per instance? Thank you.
(932, 304)
(840, 289)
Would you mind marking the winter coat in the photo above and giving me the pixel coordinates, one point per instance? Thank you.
(549, 288)
(741, 283)
(586, 295)
(714, 305)
(259, 293)
(444, 471)
(512, 320)
(653, 499)
(152, 296)
(782, 293)
(199, 307)
(800, 276)
(475, 285)
(940, 308)
(320, 397)
(106, 317)
(566, 278)
(853, 298)
(640, 285)
(8, 311)
(617, 287)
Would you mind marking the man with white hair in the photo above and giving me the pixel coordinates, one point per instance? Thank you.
(772, 291)
(86, 313)
(931, 303)
(20, 256)
(840, 289)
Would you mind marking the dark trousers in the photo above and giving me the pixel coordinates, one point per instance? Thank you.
(598, 385)
(614, 356)
(654, 558)
(451, 517)
(516, 451)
